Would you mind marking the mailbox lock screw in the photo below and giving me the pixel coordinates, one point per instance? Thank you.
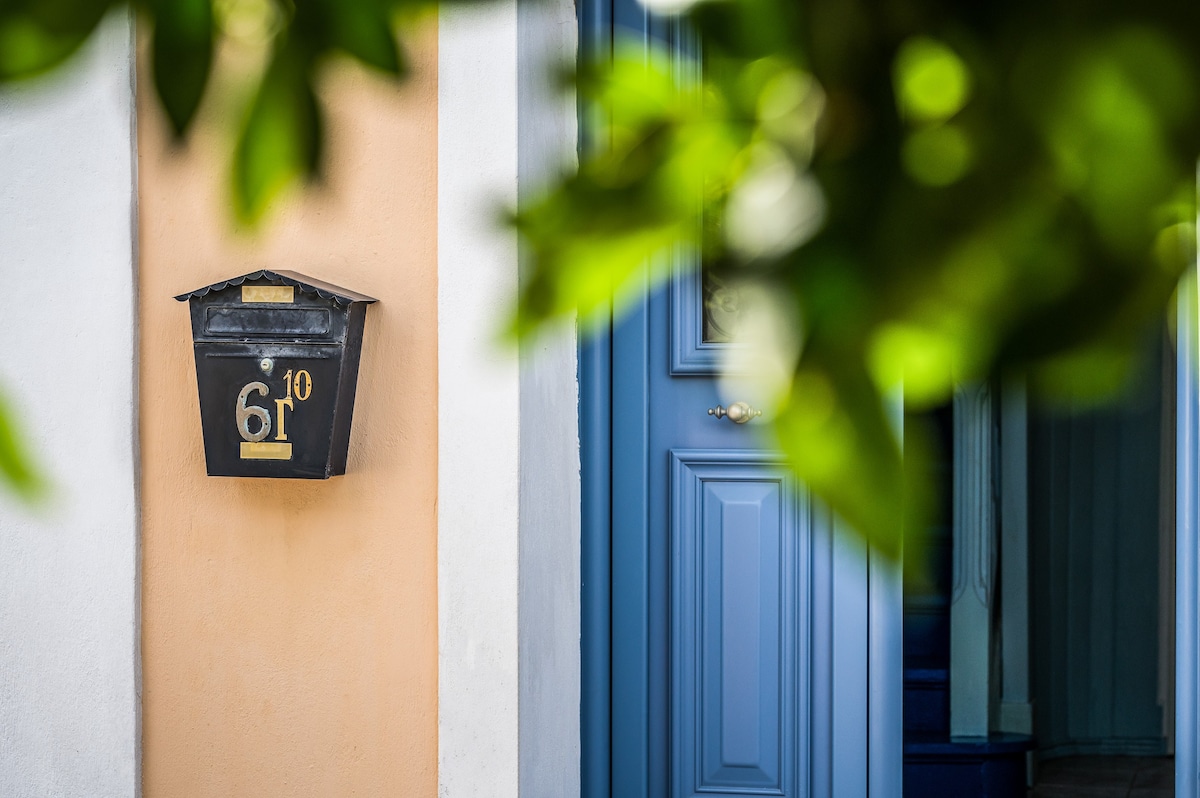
(266, 364)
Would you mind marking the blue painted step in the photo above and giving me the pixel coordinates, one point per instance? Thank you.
(926, 702)
(935, 767)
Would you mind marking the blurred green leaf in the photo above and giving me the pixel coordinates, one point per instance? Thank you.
(636, 201)
(37, 35)
(182, 52)
(16, 464)
(364, 30)
(27, 49)
(282, 137)
(837, 437)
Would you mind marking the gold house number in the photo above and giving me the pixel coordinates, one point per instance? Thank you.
(299, 388)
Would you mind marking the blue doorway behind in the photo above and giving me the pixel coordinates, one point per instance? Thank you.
(733, 644)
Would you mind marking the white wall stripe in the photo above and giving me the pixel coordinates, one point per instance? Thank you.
(478, 404)
(69, 573)
(508, 450)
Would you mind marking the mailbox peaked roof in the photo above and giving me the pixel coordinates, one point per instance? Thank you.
(307, 285)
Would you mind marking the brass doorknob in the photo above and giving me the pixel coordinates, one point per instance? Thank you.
(738, 412)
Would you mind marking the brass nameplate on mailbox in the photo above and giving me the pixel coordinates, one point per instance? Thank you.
(268, 293)
(266, 451)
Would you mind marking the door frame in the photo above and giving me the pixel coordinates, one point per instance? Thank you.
(1187, 540)
(595, 455)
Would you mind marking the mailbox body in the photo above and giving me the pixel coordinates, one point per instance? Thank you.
(277, 357)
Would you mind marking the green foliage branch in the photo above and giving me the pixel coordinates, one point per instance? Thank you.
(280, 134)
(919, 193)
(930, 193)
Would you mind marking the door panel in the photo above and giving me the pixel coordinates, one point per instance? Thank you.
(740, 621)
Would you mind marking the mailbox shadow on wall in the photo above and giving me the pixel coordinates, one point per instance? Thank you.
(276, 363)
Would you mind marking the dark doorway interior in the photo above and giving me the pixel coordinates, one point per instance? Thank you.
(1103, 777)
(1101, 593)
(1101, 506)
(1106, 777)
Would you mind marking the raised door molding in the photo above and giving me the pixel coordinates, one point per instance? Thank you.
(741, 626)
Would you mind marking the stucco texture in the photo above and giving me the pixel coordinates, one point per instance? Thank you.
(289, 626)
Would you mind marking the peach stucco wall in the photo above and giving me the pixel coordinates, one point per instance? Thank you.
(289, 634)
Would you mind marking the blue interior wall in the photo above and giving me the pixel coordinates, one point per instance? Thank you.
(1094, 529)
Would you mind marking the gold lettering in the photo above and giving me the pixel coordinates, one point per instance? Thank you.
(279, 417)
(303, 386)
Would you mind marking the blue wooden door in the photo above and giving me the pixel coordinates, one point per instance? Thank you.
(728, 633)
(739, 623)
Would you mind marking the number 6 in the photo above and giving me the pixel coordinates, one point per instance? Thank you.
(244, 413)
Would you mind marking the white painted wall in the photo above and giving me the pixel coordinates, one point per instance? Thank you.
(69, 722)
(478, 404)
(508, 451)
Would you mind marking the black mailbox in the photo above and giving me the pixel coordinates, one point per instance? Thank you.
(276, 362)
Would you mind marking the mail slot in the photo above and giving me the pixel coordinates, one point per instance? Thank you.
(277, 358)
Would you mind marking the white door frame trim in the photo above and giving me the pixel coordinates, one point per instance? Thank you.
(508, 443)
